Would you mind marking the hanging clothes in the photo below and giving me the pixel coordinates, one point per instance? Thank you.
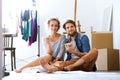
(33, 36)
(29, 26)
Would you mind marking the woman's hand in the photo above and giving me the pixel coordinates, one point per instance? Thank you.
(47, 41)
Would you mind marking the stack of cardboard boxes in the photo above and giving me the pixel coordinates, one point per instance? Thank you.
(108, 58)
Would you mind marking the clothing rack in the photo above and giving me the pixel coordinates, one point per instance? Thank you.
(38, 40)
(33, 7)
(38, 30)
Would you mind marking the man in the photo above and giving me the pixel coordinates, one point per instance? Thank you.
(79, 55)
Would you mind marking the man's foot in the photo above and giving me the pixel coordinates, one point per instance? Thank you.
(68, 68)
(49, 68)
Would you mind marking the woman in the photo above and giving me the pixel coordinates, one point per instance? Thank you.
(54, 44)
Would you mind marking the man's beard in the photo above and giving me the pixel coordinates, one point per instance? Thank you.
(72, 34)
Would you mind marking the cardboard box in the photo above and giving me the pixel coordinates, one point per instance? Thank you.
(102, 40)
(108, 59)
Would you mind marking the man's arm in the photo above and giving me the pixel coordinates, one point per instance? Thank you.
(85, 43)
(77, 53)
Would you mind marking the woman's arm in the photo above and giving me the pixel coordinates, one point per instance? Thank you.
(48, 48)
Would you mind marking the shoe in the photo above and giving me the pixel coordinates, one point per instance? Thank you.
(6, 73)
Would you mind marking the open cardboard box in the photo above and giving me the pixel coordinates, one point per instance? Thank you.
(102, 40)
(108, 59)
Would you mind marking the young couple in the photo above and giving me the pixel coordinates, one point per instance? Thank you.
(77, 47)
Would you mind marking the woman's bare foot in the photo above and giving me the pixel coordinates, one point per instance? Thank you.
(18, 71)
(49, 68)
(68, 68)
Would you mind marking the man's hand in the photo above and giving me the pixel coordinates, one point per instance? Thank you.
(69, 47)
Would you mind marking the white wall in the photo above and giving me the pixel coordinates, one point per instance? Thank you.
(89, 13)
(116, 25)
(61, 9)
